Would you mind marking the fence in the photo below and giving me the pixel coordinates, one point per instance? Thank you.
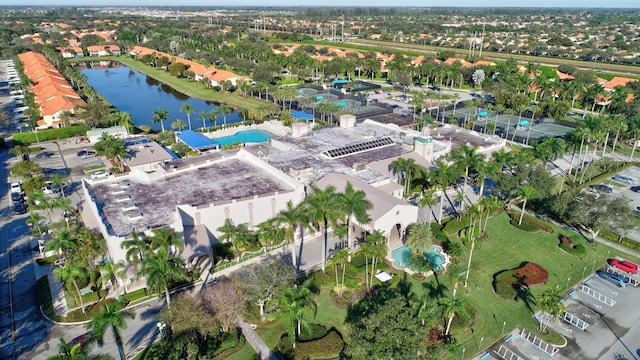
(245, 257)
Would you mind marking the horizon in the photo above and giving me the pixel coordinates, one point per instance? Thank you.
(542, 4)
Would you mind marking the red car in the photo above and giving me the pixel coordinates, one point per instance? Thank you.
(625, 265)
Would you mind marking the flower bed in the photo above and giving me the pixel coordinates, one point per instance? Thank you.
(532, 274)
(571, 247)
(507, 283)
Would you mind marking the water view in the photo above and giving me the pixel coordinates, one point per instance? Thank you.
(139, 95)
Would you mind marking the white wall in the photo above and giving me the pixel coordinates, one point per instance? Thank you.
(400, 214)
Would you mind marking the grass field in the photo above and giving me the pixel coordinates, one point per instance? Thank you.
(507, 248)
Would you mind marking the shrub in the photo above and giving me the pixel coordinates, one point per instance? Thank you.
(532, 274)
(455, 225)
(436, 229)
(328, 347)
(50, 134)
(576, 249)
(316, 332)
(358, 260)
(525, 226)
(506, 284)
(539, 224)
(625, 241)
(418, 276)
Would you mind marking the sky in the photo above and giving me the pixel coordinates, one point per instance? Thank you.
(366, 3)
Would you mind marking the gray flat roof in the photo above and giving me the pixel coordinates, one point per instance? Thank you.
(227, 179)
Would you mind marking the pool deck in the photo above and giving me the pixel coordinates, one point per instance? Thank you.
(391, 261)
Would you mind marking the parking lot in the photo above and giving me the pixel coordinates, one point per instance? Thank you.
(600, 322)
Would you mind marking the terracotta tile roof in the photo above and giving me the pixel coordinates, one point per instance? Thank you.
(617, 81)
(564, 77)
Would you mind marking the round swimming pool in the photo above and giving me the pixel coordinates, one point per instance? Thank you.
(402, 254)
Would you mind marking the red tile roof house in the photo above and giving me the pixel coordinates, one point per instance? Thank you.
(52, 92)
(103, 50)
(70, 52)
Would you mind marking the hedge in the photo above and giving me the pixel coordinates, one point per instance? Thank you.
(455, 225)
(525, 226)
(50, 134)
(505, 284)
(317, 331)
(540, 224)
(328, 347)
(625, 241)
(577, 250)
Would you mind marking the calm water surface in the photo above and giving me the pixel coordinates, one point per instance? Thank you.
(139, 95)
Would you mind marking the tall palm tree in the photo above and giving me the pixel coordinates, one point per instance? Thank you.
(164, 239)
(62, 242)
(456, 272)
(224, 110)
(188, 109)
(296, 301)
(451, 308)
(160, 116)
(213, 116)
(322, 210)
(526, 193)
(34, 220)
(355, 205)
(203, 115)
(161, 270)
(70, 273)
(113, 317)
(61, 181)
(419, 238)
(292, 217)
(444, 176)
(178, 125)
(40, 201)
(468, 158)
(76, 352)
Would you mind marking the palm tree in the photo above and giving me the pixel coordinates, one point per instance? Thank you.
(34, 220)
(355, 205)
(469, 158)
(296, 301)
(61, 181)
(161, 270)
(113, 317)
(136, 247)
(63, 242)
(293, 217)
(444, 176)
(164, 239)
(76, 352)
(419, 238)
(160, 116)
(374, 248)
(69, 274)
(322, 210)
(110, 271)
(456, 272)
(188, 109)
(213, 115)
(451, 308)
(551, 306)
(203, 115)
(40, 201)
(178, 124)
(526, 192)
(428, 199)
(224, 110)
(19, 151)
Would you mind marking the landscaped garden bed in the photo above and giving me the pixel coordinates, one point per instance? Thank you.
(568, 245)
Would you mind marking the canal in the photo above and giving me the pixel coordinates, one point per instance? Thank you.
(140, 95)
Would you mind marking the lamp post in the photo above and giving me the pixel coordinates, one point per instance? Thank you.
(463, 351)
(161, 326)
(568, 279)
(504, 323)
(583, 271)
(481, 340)
(594, 264)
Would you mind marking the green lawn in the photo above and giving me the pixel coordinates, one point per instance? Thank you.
(508, 248)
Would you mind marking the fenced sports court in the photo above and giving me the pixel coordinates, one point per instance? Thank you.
(509, 126)
(345, 102)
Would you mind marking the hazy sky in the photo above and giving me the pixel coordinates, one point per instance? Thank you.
(368, 3)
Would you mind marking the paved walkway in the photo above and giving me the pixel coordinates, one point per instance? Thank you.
(256, 342)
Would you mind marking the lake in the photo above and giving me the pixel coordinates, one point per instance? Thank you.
(139, 95)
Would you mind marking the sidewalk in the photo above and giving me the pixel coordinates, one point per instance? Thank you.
(55, 287)
(256, 342)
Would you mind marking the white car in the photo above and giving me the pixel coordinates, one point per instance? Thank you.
(100, 174)
(16, 187)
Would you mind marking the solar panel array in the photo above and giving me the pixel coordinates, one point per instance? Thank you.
(360, 147)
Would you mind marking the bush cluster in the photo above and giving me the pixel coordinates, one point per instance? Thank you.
(328, 347)
(624, 241)
(506, 285)
(530, 221)
(50, 134)
(456, 224)
(577, 249)
(316, 332)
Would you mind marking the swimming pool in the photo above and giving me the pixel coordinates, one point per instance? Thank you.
(402, 254)
(245, 136)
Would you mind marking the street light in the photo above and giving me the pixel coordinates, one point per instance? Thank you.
(583, 271)
(568, 279)
(161, 326)
(463, 350)
(481, 340)
(594, 264)
(503, 325)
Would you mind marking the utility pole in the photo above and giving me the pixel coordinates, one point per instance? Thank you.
(342, 31)
(482, 40)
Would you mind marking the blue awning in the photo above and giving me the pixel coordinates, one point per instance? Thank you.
(196, 140)
(483, 113)
(302, 115)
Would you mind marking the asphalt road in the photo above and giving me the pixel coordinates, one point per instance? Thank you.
(22, 326)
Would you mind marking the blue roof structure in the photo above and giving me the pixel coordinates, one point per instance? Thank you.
(197, 141)
(340, 81)
(302, 115)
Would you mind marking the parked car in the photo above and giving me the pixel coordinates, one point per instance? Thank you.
(625, 265)
(602, 188)
(635, 189)
(86, 154)
(100, 174)
(81, 340)
(17, 197)
(50, 188)
(622, 179)
(615, 279)
(19, 208)
(16, 187)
